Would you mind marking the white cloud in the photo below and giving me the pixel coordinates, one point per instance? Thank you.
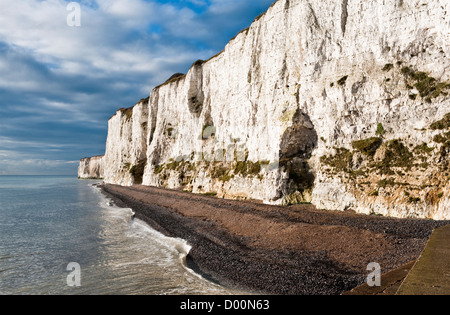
(110, 37)
(130, 11)
(11, 144)
(30, 166)
(62, 77)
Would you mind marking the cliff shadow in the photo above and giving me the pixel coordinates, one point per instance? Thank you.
(297, 145)
(137, 171)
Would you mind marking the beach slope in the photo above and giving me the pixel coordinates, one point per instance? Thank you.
(273, 249)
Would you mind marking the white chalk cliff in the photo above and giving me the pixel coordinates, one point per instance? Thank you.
(341, 103)
(91, 168)
(126, 145)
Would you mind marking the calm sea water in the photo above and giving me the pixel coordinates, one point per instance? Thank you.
(47, 222)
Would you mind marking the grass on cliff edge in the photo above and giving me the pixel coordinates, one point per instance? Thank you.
(444, 123)
(341, 161)
(368, 146)
(427, 86)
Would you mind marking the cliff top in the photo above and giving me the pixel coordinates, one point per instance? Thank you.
(129, 110)
(92, 157)
(179, 76)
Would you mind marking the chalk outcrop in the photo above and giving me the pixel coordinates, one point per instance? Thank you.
(340, 103)
(91, 168)
(126, 145)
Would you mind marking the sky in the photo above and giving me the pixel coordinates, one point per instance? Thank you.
(67, 66)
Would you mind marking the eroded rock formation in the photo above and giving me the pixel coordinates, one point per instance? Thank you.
(341, 103)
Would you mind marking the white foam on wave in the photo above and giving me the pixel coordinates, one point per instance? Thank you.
(177, 245)
(141, 229)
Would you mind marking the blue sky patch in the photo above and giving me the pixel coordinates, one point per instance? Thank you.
(60, 84)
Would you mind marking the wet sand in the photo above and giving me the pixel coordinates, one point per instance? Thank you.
(277, 250)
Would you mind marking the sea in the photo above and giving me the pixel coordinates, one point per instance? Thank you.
(62, 236)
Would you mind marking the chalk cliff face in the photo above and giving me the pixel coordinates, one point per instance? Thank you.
(126, 145)
(340, 103)
(91, 168)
